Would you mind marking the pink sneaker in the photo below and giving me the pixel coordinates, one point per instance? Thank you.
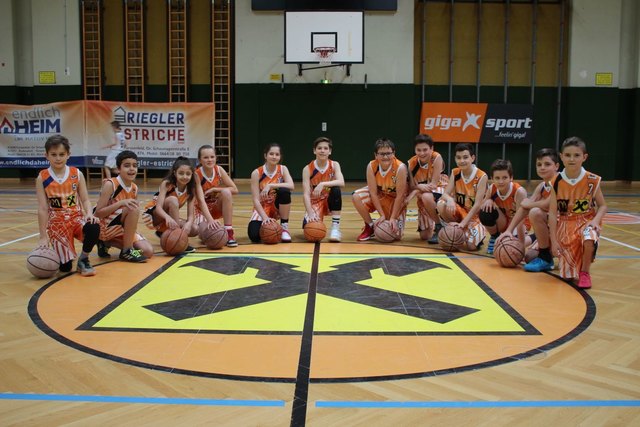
(584, 280)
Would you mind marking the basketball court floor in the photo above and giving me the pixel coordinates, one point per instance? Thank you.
(318, 334)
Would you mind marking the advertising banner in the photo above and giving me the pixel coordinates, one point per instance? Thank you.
(157, 133)
(25, 128)
(477, 122)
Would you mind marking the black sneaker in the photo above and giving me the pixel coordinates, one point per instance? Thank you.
(103, 250)
(132, 255)
(434, 238)
(66, 267)
(189, 249)
(85, 268)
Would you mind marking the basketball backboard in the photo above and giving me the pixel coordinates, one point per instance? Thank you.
(306, 31)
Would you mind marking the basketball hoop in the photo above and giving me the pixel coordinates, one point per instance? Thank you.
(324, 54)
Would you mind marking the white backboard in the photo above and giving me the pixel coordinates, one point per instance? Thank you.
(303, 31)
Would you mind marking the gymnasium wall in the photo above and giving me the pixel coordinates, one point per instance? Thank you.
(44, 35)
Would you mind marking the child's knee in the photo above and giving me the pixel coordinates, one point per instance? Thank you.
(145, 247)
(226, 195)
(171, 202)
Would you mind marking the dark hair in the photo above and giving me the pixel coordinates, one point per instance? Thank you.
(501, 165)
(423, 139)
(171, 176)
(323, 139)
(548, 152)
(383, 142)
(205, 147)
(270, 146)
(123, 155)
(465, 146)
(55, 141)
(574, 141)
(115, 124)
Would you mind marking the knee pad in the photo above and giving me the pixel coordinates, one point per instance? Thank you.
(91, 233)
(335, 199)
(283, 197)
(253, 230)
(489, 218)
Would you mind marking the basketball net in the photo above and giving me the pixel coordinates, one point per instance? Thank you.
(324, 54)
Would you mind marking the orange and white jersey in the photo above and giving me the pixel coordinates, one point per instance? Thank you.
(386, 179)
(423, 174)
(268, 203)
(574, 197)
(505, 202)
(171, 191)
(466, 188)
(545, 190)
(318, 175)
(61, 192)
(120, 192)
(209, 182)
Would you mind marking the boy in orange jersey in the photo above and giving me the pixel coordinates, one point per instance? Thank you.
(501, 203)
(321, 182)
(118, 210)
(64, 209)
(426, 181)
(385, 191)
(463, 197)
(576, 210)
(536, 208)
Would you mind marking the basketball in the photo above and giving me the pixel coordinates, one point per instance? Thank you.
(509, 251)
(213, 238)
(315, 231)
(175, 241)
(43, 262)
(384, 233)
(270, 233)
(450, 238)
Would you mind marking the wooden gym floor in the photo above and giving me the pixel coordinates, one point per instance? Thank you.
(85, 351)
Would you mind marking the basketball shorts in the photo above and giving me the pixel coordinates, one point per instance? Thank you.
(62, 228)
(572, 233)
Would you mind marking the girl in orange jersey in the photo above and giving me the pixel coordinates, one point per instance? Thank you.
(178, 188)
(64, 209)
(321, 182)
(536, 208)
(462, 199)
(576, 210)
(218, 189)
(385, 191)
(501, 203)
(117, 207)
(426, 181)
(271, 187)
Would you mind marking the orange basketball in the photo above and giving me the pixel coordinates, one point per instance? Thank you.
(315, 231)
(384, 233)
(43, 262)
(270, 233)
(175, 241)
(450, 238)
(509, 251)
(213, 238)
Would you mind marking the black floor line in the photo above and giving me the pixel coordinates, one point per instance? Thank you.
(299, 411)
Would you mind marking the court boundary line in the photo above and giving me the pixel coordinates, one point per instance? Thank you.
(478, 404)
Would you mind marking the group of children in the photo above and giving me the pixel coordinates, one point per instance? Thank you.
(565, 210)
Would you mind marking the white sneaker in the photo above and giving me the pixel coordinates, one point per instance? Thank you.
(335, 235)
(286, 237)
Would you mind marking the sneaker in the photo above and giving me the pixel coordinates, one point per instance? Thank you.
(538, 265)
(584, 280)
(132, 255)
(336, 235)
(491, 245)
(286, 237)
(189, 249)
(66, 267)
(231, 241)
(367, 233)
(84, 267)
(103, 250)
(434, 237)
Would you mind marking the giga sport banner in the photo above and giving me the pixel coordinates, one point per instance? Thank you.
(477, 122)
(157, 133)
